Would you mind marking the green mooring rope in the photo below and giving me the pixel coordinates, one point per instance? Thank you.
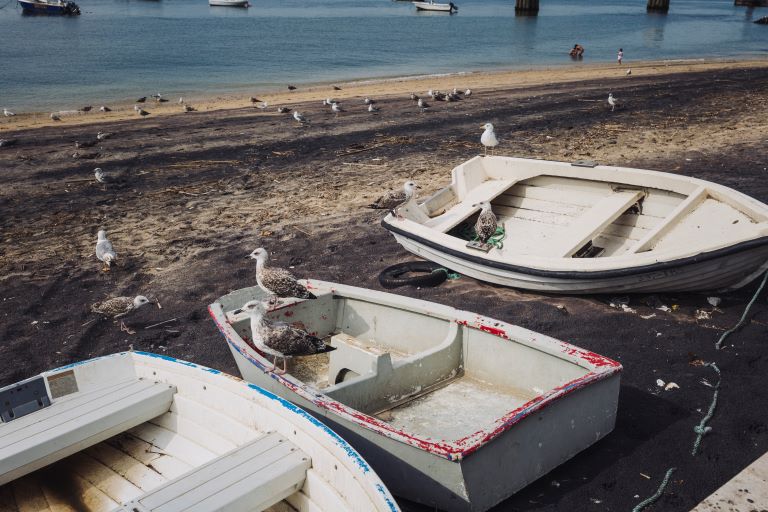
(744, 316)
(702, 429)
(468, 233)
(640, 506)
(451, 275)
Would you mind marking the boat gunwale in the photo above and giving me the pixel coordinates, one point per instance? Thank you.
(599, 368)
(366, 472)
(581, 274)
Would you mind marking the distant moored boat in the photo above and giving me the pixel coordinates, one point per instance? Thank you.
(50, 7)
(229, 3)
(435, 6)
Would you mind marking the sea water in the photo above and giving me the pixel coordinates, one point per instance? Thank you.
(118, 50)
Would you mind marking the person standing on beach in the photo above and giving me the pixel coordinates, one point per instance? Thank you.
(620, 55)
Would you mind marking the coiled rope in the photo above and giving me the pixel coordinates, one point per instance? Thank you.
(702, 429)
(744, 316)
(640, 506)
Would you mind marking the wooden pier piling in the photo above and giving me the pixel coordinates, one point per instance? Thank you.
(658, 5)
(527, 7)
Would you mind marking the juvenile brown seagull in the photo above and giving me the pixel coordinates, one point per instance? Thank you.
(275, 280)
(104, 250)
(119, 307)
(485, 227)
(279, 339)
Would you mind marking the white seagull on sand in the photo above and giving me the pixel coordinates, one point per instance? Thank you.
(468, 92)
(8, 113)
(277, 281)
(488, 138)
(372, 108)
(486, 224)
(101, 177)
(336, 108)
(279, 339)
(119, 307)
(629, 71)
(300, 118)
(104, 250)
(613, 102)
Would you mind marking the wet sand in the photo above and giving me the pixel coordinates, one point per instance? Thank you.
(196, 192)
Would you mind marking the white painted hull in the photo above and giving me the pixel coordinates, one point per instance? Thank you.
(428, 6)
(211, 415)
(444, 443)
(650, 231)
(228, 3)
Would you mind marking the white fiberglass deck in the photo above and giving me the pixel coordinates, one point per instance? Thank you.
(436, 416)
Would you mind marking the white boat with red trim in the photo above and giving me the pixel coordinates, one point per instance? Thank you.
(140, 432)
(452, 409)
(587, 228)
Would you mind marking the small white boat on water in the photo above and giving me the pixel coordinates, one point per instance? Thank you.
(138, 432)
(229, 3)
(581, 228)
(452, 409)
(449, 7)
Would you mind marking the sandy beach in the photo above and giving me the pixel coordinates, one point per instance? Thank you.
(192, 194)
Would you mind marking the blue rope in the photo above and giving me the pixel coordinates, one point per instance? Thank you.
(702, 429)
(743, 317)
(640, 506)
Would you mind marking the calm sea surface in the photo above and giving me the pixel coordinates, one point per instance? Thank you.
(120, 49)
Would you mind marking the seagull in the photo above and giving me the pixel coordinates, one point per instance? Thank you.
(143, 113)
(291, 87)
(119, 307)
(430, 93)
(629, 71)
(300, 118)
(283, 110)
(277, 281)
(188, 108)
(157, 96)
(336, 108)
(468, 92)
(8, 113)
(103, 135)
(488, 138)
(613, 102)
(394, 199)
(279, 339)
(369, 101)
(101, 177)
(181, 100)
(55, 117)
(485, 227)
(104, 108)
(414, 97)
(456, 91)
(254, 101)
(423, 105)
(86, 108)
(336, 88)
(136, 108)
(142, 99)
(263, 105)
(104, 250)
(372, 108)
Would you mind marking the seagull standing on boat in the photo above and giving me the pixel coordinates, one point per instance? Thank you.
(394, 199)
(277, 281)
(488, 138)
(613, 102)
(279, 339)
(119, 307)
(8, 113)
(300, 118)
(486, 224)
(104, 250)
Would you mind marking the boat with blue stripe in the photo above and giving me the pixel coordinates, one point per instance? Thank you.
(66, 7)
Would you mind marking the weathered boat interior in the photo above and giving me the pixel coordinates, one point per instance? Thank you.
(120, 436)
(552, 209)
(415, 370)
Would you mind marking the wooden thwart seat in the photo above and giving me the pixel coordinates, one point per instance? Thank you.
(593, 221)
(486, 191)
(76, 422)
(251, 477)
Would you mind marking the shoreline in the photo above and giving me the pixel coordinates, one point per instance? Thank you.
(381, 88)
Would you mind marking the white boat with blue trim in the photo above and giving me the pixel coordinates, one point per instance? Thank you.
(587, 228)
(452, 409)
(139, 432)
(66, 7)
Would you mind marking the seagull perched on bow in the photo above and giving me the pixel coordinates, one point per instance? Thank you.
(8, 113)
(486, 224)
(299, 117)
(279, 339)
(613, 102)
(104, 250)
(277, 281)
(488, 138)
(394, 199)
(119, 307)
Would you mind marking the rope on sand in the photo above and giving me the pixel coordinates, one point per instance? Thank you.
(743, 317)
(648, 501)
(702, 429)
